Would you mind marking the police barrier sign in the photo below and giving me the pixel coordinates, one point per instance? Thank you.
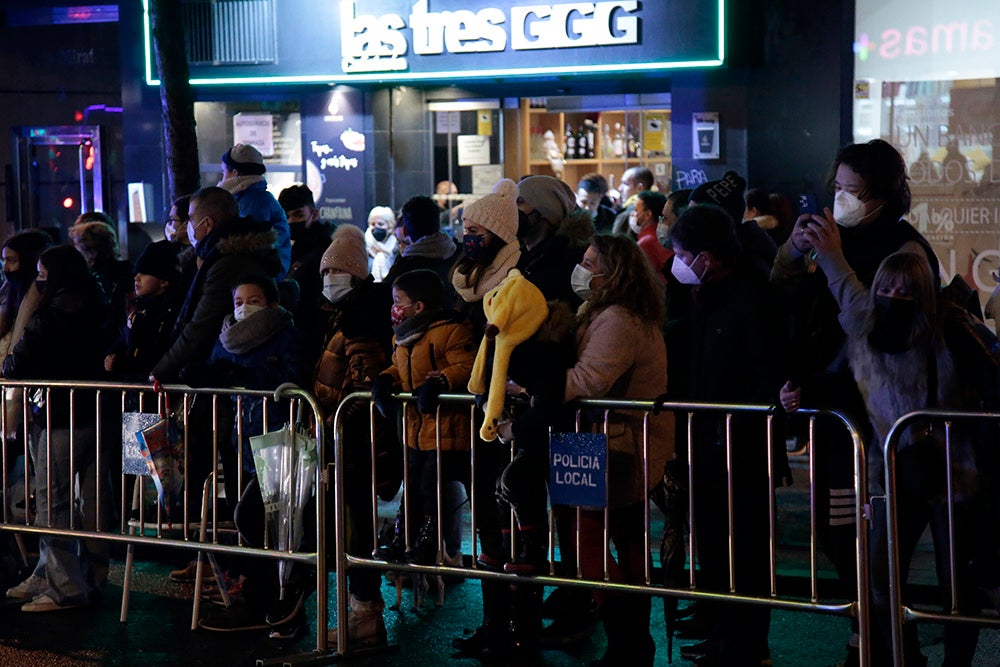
(578, 465)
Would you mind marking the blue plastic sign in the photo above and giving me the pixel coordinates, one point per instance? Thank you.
(578, 469)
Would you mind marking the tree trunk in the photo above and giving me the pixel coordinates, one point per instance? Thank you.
(180, 143)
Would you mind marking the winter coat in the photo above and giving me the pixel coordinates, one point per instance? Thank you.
(118, 281)
(357, 349)
(539, 366)
(256, 203)
(817, 337)
(147, 335)
(550, 263)
(64, 340)
(443, 344)
(260, 352)
(893, 385)
(436, 252)
(654, 250)
(735, 355)
(358, 344)
(623, 357)
(239, 248)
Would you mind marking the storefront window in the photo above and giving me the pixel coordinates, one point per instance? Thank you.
(273, 128)
(927, 81)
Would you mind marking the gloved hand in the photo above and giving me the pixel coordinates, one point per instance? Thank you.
(427, 395)
(382, 394)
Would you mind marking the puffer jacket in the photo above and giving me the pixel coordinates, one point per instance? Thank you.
(446, 345)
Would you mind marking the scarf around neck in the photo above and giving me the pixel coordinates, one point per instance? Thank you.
(492, 275)
(239, 183)
(246, 335)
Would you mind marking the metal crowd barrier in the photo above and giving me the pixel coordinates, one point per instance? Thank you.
(900, 612)
(856, 608)
(27, 412)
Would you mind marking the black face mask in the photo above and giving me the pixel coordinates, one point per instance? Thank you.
(40, 285)
(526, 222)
(380, 234)
(893, 327)
(297, 230)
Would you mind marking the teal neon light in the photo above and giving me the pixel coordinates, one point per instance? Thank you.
(450, 75)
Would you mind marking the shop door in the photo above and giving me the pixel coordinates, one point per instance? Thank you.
(468, 153)
(58, 174)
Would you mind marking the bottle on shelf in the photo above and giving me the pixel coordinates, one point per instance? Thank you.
(588, 135)
(581, 144)
(606, 145)
(569, 143)
(618, 141)
(629, 142)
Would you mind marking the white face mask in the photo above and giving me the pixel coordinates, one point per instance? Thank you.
(662, 233)
(633, 224)
(245, 310)
(336, 286)
(848, 210)
(684, 273)
(580, 281)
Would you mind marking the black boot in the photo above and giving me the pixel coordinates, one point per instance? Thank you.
(626, 624)
(526, 617)
(532, 556)
(493, 636)
(425, 550)
(395, 551)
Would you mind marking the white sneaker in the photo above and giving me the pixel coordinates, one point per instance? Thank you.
(43, 603)
(27, 589)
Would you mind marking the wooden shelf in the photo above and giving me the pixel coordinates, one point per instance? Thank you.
(650, 140)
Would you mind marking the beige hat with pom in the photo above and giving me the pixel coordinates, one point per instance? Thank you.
(347, 252)
(496, 212)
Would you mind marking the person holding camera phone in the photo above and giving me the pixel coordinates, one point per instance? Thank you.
(871, 196)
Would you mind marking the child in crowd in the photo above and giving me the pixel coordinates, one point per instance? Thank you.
(259, 348)
(147, 333)
(433, 353)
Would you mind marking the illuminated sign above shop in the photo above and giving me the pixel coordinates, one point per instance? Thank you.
(427, 40)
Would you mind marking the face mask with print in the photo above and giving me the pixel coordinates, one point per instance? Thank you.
(397, 314)
(245, 310)
(848, 210)
(684, 273)
(380, 234)
(473, 246)
(336, 286)
(580, 281)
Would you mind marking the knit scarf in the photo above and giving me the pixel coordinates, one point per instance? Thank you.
(412, 329)
(246, 335)
(492, 275)
(239, 183)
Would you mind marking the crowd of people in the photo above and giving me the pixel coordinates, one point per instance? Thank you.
(530, 297)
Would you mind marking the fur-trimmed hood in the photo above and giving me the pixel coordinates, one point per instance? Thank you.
(577, 227)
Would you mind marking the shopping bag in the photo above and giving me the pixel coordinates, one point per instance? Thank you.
(162, 445)
(133, 460)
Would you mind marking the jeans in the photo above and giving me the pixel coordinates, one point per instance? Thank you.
(73, 568)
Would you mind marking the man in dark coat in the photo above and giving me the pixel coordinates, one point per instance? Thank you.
(227, 247)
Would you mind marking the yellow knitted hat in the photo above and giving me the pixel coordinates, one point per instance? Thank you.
(515, 310)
